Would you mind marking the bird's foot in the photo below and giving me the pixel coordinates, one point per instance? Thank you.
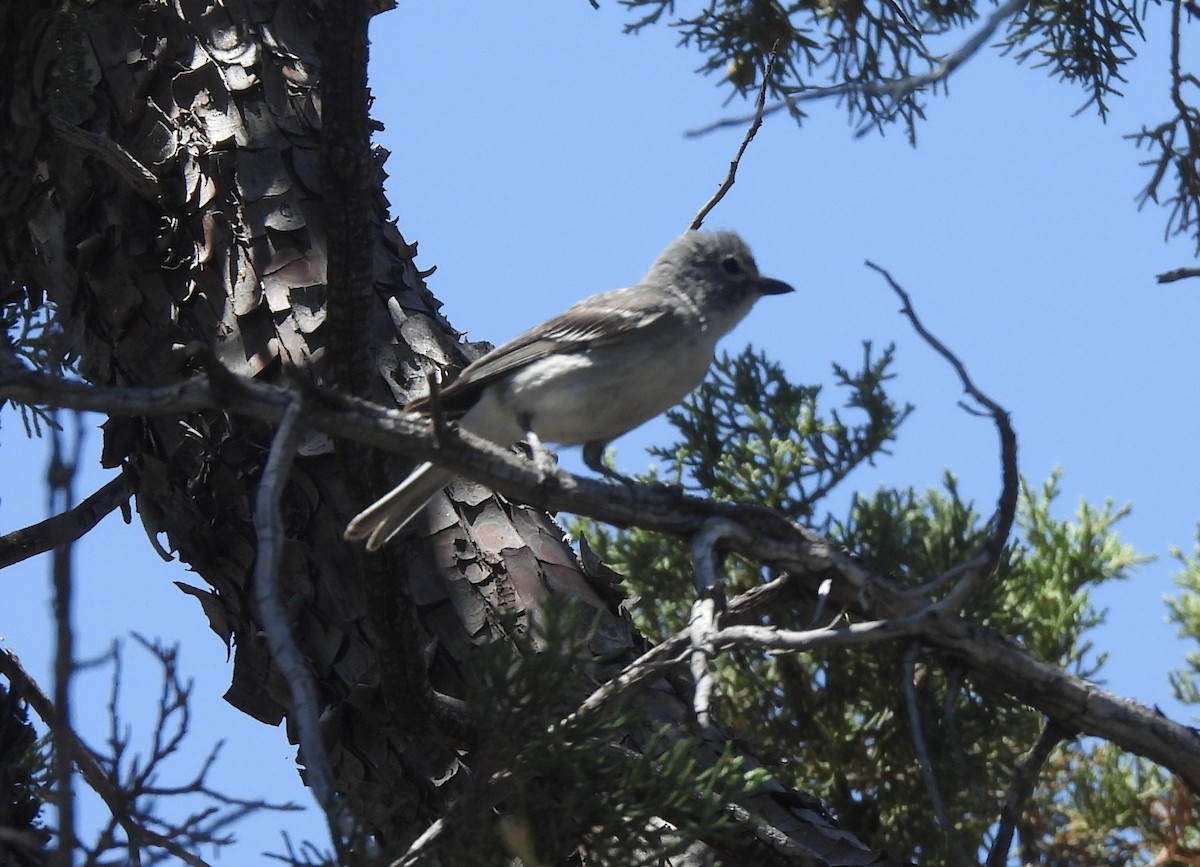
(544, 459)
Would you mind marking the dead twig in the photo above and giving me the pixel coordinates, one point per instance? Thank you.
(123, 797)
(971, 573)
(1021, 788)
(908, 673)
(755, 122)
(60, 479)
(304, 709)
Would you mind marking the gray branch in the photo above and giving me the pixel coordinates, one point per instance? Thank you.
(783, 545)
(268, 524)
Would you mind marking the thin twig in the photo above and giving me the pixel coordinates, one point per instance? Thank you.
(650, 664)
(985, 562)
(776, 640)
(1021, 788)
(708, 577)
(98, 781)
(423, 845)
(118, 744)
(61, 483)
(1187, 199)
(483, 800)
(755, 122)
(677, 649)
(268, 524)
(437, 416)
(921, 748)
(822, 598)
(665, 656)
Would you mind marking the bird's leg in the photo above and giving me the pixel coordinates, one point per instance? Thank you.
(544, 459)
(593, 457)
(441, 428)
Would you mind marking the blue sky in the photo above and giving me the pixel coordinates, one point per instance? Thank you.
(538, 156)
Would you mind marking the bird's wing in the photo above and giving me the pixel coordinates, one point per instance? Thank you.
(594, 321)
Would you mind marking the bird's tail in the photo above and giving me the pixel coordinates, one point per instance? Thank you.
(388, 515)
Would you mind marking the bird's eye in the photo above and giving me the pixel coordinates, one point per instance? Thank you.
(730, 265)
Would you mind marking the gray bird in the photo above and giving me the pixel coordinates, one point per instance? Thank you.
(599, 369)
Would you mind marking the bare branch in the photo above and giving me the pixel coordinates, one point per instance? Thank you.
(708, 607)
(807, 558)
(776, 640)
(755, 122)
(1177, 274)
(1177, 142)
(678, 649)
(127, 784)
(670, 653)
(908, 674)
(60, 480)
(423, 845)
(268, 523)
(116, 801)
(1021, 788)
(975, 570)
(701, 625)
(65, 527)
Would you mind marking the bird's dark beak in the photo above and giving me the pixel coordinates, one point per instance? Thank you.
(773, 287)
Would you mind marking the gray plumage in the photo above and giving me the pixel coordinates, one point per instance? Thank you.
(599, 369)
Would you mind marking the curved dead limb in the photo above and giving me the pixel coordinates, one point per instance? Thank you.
(971, 573)
(304, 710)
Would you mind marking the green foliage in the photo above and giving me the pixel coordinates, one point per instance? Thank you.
(1085, 43)
(1050, 572)
(857, 45)
(839, 718)
(561, 782)
(1099, 806)
(1184, 612)
(820, 42)
(23, 769)
(30, 334)
(911, 536)
(748, 435)
(1039, 595)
